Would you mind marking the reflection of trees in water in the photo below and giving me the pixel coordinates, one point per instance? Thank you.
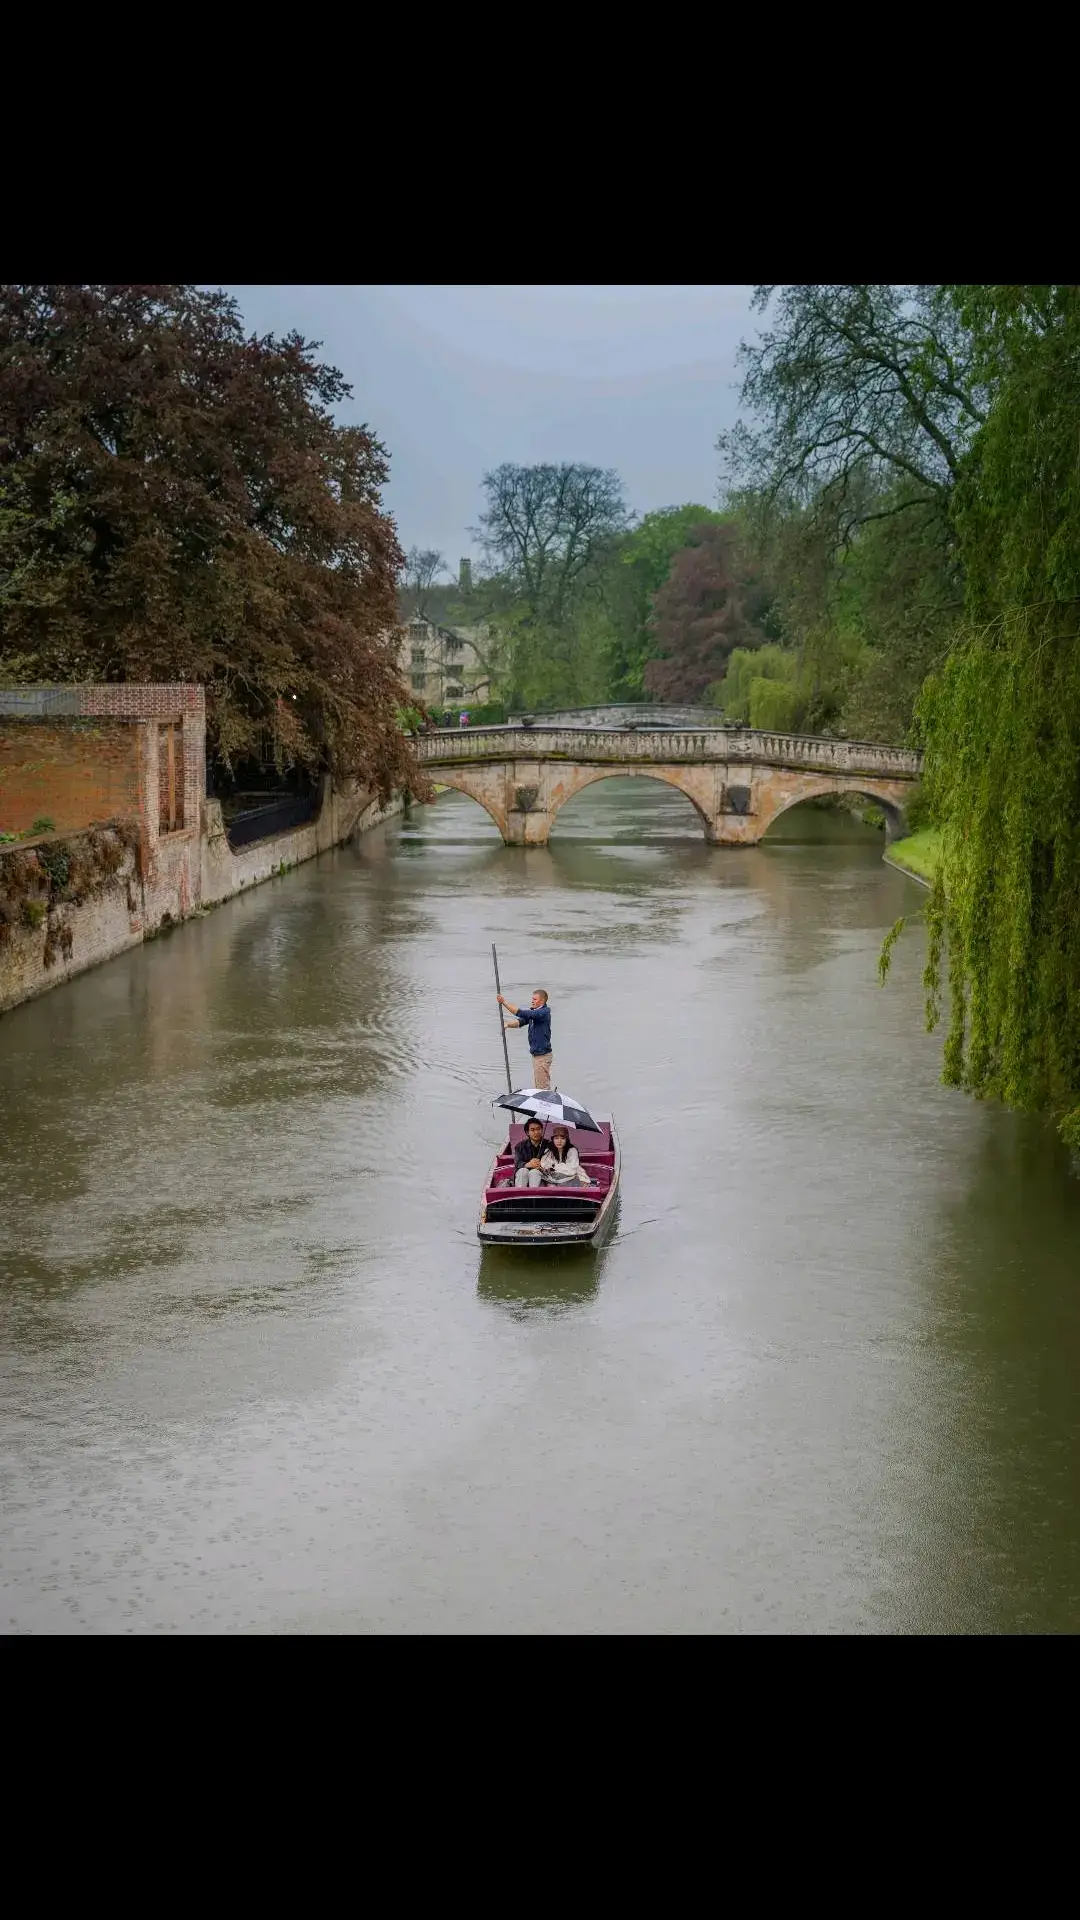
(807, 824)
(312, 1000)
(998, 1532)
(529, 1282)
(818, 892)
(823, 877)
(73, 1060)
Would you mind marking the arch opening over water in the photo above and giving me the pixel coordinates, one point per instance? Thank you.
(467, 790)
(671, 802)
(894, 818)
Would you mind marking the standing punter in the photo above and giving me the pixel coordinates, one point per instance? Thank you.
(538, 1020)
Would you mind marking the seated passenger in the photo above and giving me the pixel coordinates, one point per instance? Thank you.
(527, 1155)
(560, 1165)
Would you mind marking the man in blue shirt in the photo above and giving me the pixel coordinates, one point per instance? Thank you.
(538, 1020)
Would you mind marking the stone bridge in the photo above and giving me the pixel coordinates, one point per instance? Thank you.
(738, 780)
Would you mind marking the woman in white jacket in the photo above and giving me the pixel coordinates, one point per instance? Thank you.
(560, 1165)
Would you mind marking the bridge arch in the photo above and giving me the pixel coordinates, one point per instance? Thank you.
(867, 789)
(464, 780)
(676, 777)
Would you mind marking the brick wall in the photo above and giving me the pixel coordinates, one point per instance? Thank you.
(83, 755)
(129, 700)
(74, 772)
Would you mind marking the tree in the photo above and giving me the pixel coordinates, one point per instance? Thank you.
(897, 597)
(709, 604)
(422, 568)
(543, 526)
(855, 390)
(547, 533)
(632, 571)
(177, 502)
(1002, 720)
(762, 687)
(862, 402)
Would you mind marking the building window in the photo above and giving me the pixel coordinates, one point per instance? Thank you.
(419, 681)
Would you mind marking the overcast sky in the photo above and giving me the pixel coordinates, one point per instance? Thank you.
(454, 380)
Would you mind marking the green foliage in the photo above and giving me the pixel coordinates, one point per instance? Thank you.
(1002, 723)
(918, 811)
(43, 824)
(896, 598)
(568, 596)
(748, 665)
(869, 616)
(36, 880)
(919, 852)
(16, 669)
(56, 861)
(766, 687)
(852, 391)
(861, 405)
(889, 942)
(650, 549)
(546, 531)
(775, 705)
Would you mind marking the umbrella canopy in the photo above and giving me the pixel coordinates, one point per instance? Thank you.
(553, 1106)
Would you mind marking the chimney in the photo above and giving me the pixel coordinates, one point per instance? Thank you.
(465, 576)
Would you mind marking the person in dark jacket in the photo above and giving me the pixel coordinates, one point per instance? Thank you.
(537, 1018)
(527, 1155)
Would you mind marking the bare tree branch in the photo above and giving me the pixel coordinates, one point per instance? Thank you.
(869, 377)
(543, 526)
(422, 568)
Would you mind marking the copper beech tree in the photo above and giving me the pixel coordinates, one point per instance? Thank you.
(177, 502)
(710, 603)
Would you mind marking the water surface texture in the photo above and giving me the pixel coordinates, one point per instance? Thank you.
(256, 1374)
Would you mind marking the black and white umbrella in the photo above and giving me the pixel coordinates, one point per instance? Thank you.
(554, 1107)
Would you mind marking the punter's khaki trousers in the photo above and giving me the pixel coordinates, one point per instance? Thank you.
(541, 1066)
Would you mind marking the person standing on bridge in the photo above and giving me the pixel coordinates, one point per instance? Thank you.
(537, 1018)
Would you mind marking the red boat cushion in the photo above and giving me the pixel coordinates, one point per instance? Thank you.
(600, 1174)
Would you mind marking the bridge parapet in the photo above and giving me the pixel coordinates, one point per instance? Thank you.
(699, 746)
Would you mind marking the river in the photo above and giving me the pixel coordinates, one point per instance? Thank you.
(256, 1374)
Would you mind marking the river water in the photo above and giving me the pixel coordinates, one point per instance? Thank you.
(258, 1376)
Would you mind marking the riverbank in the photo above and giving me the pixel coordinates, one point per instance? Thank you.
(917, 855)
(74, 901)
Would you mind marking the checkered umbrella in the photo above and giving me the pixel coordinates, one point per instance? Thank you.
(554, 1107)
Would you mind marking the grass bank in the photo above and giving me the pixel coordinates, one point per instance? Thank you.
(917, 854)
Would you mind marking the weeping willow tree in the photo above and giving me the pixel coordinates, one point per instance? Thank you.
(1002, 723)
